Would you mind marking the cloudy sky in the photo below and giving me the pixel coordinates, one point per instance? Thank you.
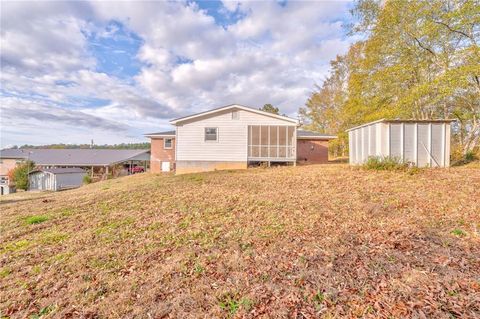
(112, 71)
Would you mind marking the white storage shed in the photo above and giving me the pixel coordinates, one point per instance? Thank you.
(55, 179)
(425, 143)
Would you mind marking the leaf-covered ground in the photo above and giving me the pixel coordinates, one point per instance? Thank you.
(292, 242)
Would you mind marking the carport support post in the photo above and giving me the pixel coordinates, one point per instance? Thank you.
(91, 173)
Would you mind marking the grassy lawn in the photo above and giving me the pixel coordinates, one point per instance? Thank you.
(291, 242)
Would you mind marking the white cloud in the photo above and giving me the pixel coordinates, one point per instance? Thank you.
(274, 54)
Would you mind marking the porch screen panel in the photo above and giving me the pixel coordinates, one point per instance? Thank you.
(255, 147)
(273, 141)
(282, 141)
(264, 141)
(291, 142)
(250, 141)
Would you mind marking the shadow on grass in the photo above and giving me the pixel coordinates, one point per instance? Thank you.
(22, 199)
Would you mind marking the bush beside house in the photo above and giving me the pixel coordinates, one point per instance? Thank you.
(19, 175)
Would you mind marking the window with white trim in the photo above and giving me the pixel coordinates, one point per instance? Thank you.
(167, 143)
(235, 115)
(211, 134)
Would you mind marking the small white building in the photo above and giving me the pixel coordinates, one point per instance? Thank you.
(425, 143)
(55, 179)
(5, 186)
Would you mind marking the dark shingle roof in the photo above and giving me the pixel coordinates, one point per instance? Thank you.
(74, 157)
(307, 134)
(165, 133)
(60, 170)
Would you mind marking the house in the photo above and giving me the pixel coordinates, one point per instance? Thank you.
(55, 179)
(420, 142)
(232, 137)
(7, 163)
(100, 163)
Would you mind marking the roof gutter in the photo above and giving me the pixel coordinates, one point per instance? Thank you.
(329, 137)
(159, 135)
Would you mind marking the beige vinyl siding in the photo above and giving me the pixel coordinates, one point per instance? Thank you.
(231, 144)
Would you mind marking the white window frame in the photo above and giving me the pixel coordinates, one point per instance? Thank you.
(235, 115)
(165, 147)
(205, 135)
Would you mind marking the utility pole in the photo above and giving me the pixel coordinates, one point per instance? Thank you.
(28, 169)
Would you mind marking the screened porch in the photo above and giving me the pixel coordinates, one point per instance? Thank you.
(271, 143)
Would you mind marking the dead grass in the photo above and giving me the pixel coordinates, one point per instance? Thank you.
(305, 242)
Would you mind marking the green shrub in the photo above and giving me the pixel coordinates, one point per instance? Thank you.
(386, 163)
(459, 159)
(20, 174)
(87, 179)
(36, 219)
(231, 304)
(471, 156)
(459, 232)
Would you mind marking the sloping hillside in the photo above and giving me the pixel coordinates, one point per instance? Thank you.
(298, 242)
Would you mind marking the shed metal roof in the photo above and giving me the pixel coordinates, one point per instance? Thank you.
(402, 121)
(73, 157)
(68, 170)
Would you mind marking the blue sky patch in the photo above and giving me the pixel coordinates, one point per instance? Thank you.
(217, 10)
(87, 102)
(66, 83)
(116, 50)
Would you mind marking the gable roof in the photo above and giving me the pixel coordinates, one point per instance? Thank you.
(73, 157)
(233, 106)
(309, 135)
(161, 134)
